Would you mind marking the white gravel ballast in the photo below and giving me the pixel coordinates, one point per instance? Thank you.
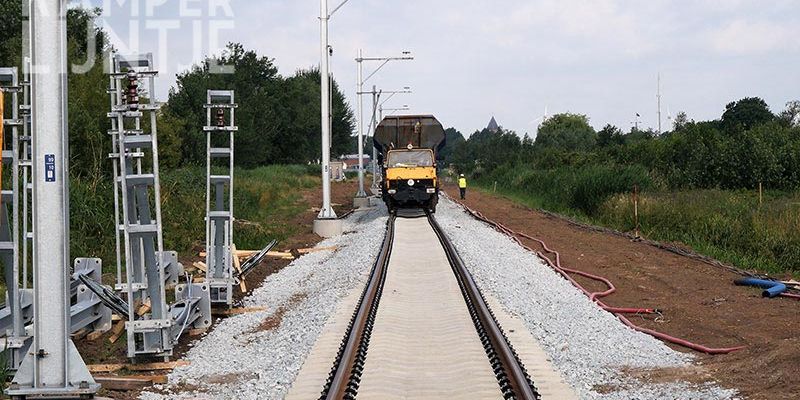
(257, 355)
(587, 345)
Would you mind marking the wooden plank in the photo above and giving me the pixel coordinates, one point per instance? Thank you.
(143, 309)
(156, 366)
(238, 266)
(317, 249)
(80, 334)
(249, 253)
(96, 368)
(237, 311)
(197, 332)
(160, 379)
(200, 265)
(116, 332)
(122, 383)
(281, 254)
(95, 335)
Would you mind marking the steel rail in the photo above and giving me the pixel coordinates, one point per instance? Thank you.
(345, 376)
(346, 372)
(511, 374)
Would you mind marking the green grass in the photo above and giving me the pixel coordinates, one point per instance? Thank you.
(564, 189)
(728, 225)
(265, 201)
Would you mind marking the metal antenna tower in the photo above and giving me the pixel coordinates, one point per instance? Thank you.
(658, 96)
(219, 212)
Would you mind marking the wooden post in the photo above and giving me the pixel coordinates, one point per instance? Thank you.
(495, 187)
(760, 194)
(636, 209)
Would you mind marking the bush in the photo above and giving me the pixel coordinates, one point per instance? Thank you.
(266, 199)
(582, 188)
(729, 225)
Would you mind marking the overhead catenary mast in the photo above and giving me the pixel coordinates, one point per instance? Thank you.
(327, 224)
(658, 97)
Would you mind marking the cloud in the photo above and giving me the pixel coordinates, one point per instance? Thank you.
(742, 37)
(511, 58)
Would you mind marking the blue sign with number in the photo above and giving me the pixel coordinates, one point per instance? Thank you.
(49, 168)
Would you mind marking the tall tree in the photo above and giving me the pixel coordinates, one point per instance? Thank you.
(681, 120)
(746, 113)
(568, 132)
(791, 115)
(609, 135)
(453, 138)
(278, 118)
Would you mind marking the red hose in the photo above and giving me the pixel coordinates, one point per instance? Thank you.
(790, 295)
(595, 296)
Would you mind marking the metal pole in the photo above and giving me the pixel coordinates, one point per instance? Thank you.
(327, 211)
(53, 365)
(361, 192)
(26, 190)
(659, 103)
(373, 127)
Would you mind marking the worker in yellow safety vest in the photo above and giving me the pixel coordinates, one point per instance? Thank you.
(462, 186)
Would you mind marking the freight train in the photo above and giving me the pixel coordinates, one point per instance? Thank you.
(407, 147)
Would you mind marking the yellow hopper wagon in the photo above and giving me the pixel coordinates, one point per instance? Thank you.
(407, 147)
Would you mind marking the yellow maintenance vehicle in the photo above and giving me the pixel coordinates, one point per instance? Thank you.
(407, 146)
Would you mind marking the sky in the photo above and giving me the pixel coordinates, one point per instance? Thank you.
(511, 59)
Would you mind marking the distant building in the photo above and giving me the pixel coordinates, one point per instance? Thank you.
(493, 127)
(351, 161)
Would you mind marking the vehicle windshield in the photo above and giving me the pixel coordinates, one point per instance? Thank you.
(410, 159)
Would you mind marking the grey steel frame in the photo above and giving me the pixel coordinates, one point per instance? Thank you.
(18, 340)
(219, 216)
(148, 269)
(88, 311)
(53, 367)
(140, 229)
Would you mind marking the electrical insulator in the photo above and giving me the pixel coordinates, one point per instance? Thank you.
(132, 95)
(220, 118)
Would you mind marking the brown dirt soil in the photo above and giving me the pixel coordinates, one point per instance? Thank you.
(699, 300)
(274, 320)
(100, 351)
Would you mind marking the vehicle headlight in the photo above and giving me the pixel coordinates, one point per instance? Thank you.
(392, 191)
(410, 182)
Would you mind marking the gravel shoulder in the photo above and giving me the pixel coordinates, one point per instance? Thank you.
(258, 355)
(699, 300)
(592, 350)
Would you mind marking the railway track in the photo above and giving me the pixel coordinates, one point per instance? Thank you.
(422, 328)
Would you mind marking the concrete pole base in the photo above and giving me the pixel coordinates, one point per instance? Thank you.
(328, 228)
(361, 202)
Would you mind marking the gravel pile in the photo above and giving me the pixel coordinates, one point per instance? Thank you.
(587, 345)
(258, 355)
